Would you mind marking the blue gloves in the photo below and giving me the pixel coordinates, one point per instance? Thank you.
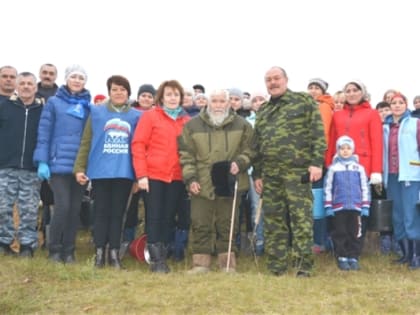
(43, 171)
(365, 212)
(329, 212)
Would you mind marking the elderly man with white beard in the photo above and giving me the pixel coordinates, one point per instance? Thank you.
(215, 151)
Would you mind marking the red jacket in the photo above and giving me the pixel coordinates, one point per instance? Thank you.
(154, 146)
(363, 124)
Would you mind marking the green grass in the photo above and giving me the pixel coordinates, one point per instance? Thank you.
(39, 287)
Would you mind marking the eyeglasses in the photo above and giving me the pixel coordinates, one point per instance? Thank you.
(10, 76)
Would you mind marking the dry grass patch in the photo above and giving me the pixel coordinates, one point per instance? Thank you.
(39, 287)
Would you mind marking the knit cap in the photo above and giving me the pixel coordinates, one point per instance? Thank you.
(236, 92)
(345, 140)
(147, 88)
(323, 85)
(75, 69)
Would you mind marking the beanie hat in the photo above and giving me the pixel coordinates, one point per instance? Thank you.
(236, 92)
(361, 87)
(345, 140)
(146, 88)
(320, 83)
(99, 97)
(75, 69)
(199, 87)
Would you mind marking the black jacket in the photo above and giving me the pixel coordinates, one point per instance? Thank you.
(18, 133)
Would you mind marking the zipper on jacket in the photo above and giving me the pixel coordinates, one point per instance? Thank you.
(348, 191)
(24, 137)
(349, 120)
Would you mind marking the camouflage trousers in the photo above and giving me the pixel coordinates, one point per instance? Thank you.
(288, 222)
(21, 187)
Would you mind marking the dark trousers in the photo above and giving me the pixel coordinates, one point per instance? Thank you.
(132, 217)
(47, 199)
(163, 199)
(111, 197)
(183, 212)
(65, 220)
(347, 233)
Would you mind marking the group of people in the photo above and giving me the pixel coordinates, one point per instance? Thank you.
(191, 156)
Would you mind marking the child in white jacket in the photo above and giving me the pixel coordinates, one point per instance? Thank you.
(347, 198)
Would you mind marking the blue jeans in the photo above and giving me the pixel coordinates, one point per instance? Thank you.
(254, 199)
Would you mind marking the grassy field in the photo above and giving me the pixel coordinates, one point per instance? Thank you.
(39, 287)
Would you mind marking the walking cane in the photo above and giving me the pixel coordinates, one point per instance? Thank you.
(232, 223)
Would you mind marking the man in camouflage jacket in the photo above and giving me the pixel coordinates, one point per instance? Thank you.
(290, 146)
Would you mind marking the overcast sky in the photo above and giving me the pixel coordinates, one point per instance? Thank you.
(219, 43)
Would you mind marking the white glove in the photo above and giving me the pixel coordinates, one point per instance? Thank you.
(376, 178)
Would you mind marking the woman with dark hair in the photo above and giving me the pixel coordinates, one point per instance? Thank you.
(105, 158)
(157, 168)
(59, 133)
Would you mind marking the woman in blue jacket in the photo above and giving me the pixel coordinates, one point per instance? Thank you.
(402, 177)
(59, 134)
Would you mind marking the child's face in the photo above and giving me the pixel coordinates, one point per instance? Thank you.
(384, 111)
(345, 151)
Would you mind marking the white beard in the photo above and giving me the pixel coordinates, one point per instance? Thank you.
(217, 120)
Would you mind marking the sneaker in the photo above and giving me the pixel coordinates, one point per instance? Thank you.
(26, 251)
(343, 263)
(354, 264)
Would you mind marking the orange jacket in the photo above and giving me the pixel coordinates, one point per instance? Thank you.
(326, 108)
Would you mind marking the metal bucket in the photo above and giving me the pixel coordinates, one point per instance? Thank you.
(380, 218)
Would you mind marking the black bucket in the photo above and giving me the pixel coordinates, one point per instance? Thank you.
(380, 218)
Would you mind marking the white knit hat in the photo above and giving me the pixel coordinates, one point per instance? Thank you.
(75, 69)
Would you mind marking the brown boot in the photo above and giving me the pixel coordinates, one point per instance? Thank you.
(201, 264)
(222, 261)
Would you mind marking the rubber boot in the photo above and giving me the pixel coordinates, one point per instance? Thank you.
(407, 251)
(114, 258)
(181, 238)
(157, 256)
(222, 262)
(164, 257)
(100, 257)
(201, 264)
(415, 260)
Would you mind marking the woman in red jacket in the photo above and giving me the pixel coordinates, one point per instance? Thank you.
(157, 168)
(362, 123)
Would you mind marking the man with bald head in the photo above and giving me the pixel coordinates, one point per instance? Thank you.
(290, 145)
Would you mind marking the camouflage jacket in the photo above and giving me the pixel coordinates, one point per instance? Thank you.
(288, 134)
(202, 144)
